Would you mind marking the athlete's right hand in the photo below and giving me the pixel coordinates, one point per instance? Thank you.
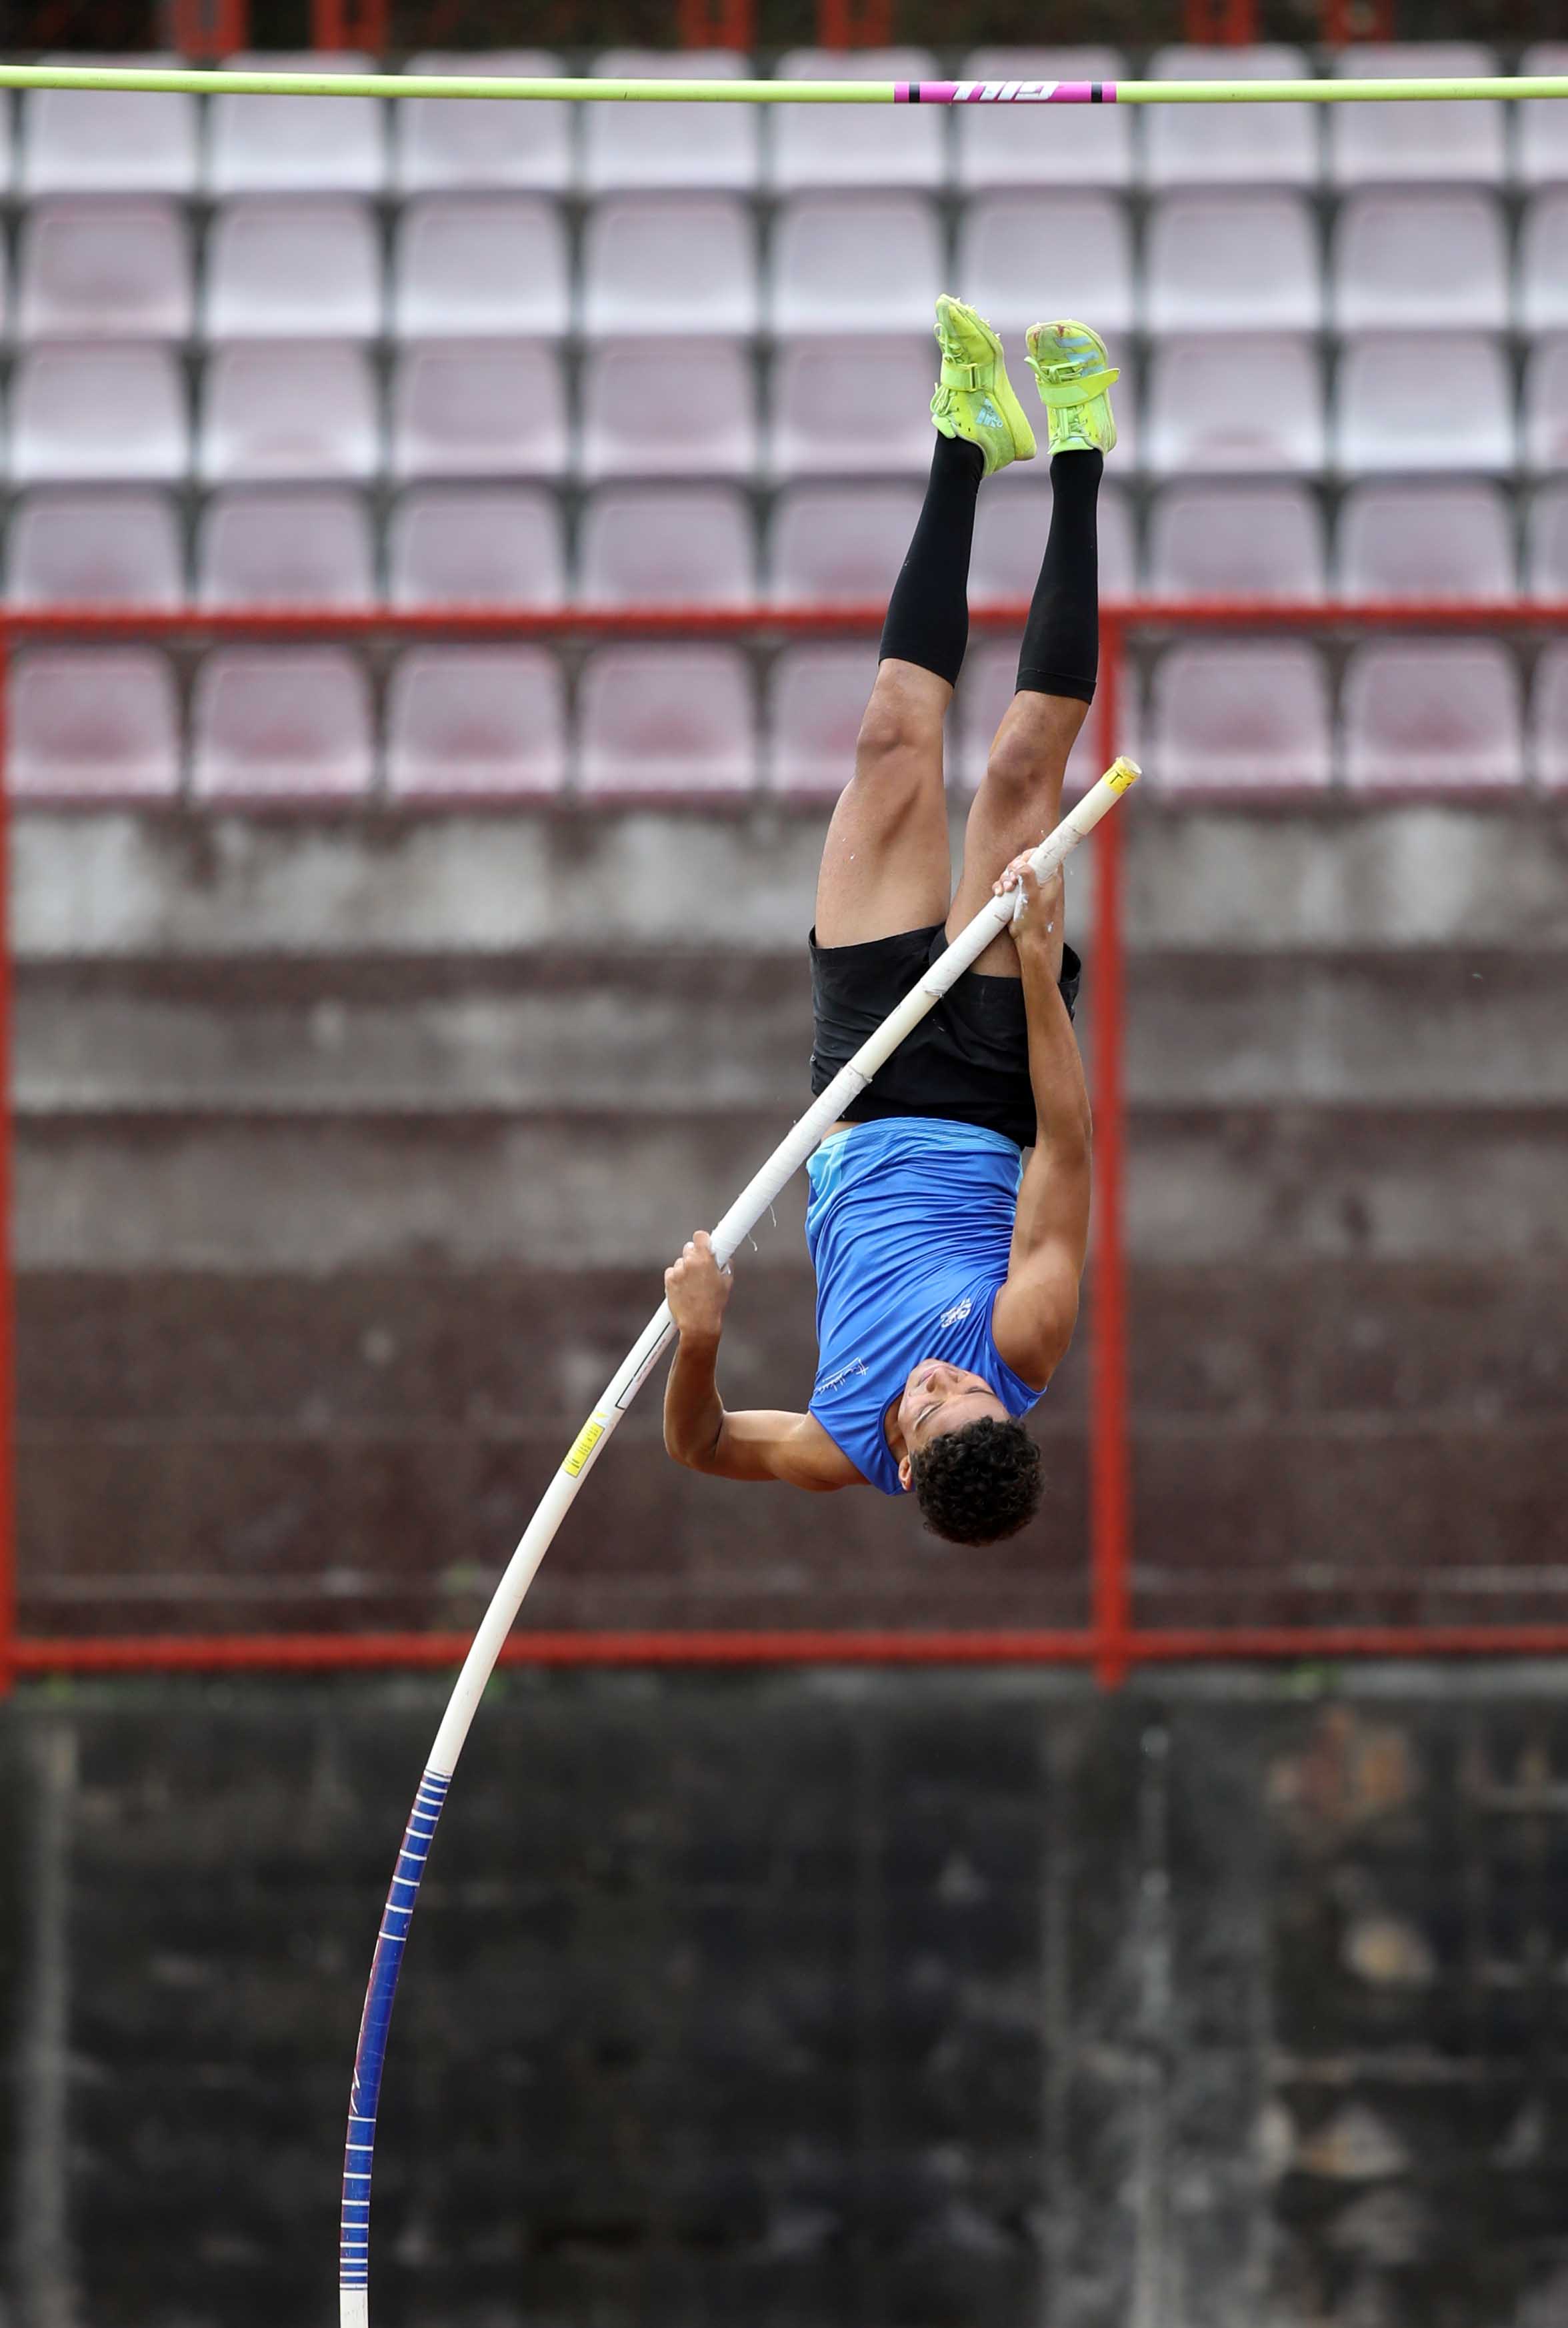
(1038, 923)
(697, 1288)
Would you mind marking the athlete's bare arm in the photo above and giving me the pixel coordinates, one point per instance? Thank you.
(760, 1442)
(1037, 1307)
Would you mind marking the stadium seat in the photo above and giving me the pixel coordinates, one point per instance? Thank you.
(1244, 404)
(1549, 718)
(1408, 259)
(985, 689)
(97, 413)
(466, 723)
(78, 141)
(288, 411)
(890, 146)
(1542, 274)
(293, 270)
(1406, 401)
(1240, 542)
(856, 264)
(1546, 557)
(478, 408)
(296, 145)
(1231, 145)
(1250, 717)
(1426, 541)
(440, 145)
(1009, 535)
(466, 265)
(629, 146)
(1235, 262)
(816, 698)
(92, 723)
(1024, 145)
(1542, 128)
(493, 546)
(647, 258)
(1545, 414)
(281, 723)
(667, 720)
(853, 407)
(840, 545)
(7, 144)
(94, 550)
(641, 420)
(1091, 260)
(285, 550)
(667, 545)
(104, 271)
(1432, 712)
(1461, 142)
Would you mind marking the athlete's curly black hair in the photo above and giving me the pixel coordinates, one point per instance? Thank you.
(978, 1484)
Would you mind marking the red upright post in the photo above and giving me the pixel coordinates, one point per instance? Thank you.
(1110, 1498)
(7, 1291)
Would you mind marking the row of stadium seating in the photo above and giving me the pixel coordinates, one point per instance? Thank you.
(70, 141)
(467, 722)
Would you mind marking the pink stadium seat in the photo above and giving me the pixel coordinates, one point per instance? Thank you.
(439, 144)
(1548, 544)
(1091, 260)
(465, 723)
(1231, 145)
(985, 689)
(647, 259)
(457, 546)
(1371, 144)
(95, 550)
(1247, 541)
(296, 145)
(478, 408)
(890, 147)
(293, 270)
(101, 270)
(1542, 274)
(1542, 154)
(1549, 718)
(817, 699)
(856, 264)
(1546, 414)
(668, 719)
(1426, 541)
(281, 723)
(668, 546)
(92, 723)
(78, 141)
(640, 418)
(288, 411)
(1240, 404)
(466, 265)
(627, 146)
(1234, 262)
(97, 413)
(1432, 712)
(840, 545)
(1408, 259)
(1027, 145)
(853, 407)
(1402, 408)
(1010, 531)
(285, 550)
(1245, 718)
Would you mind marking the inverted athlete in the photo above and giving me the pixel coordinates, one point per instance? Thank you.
(947, 1263)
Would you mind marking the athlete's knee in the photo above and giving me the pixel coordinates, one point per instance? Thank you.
(902, 719)
(1029, 753)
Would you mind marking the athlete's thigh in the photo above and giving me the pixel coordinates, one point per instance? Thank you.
(1017, 804)
(886, 864)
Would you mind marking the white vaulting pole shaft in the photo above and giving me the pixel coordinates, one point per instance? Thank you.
(558, 1497)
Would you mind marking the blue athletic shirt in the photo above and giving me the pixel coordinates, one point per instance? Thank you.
(909, 1224)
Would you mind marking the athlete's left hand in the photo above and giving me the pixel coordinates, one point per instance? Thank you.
(697, 1289)
(1040, 921)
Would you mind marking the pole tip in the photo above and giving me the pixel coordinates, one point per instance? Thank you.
(1122, 773)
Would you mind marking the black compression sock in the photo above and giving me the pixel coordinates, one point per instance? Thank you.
(927, 618)
(1061, 643)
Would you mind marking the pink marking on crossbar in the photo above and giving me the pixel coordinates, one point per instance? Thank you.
(1004, 92)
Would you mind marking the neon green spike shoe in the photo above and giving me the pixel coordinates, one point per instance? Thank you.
(974, 397)
(1075, 375)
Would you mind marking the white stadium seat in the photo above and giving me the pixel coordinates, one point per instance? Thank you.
(478, 408)
(1091, 260)
(640, 418)
(839, 545)
(1542, 273)
(1432, 713)
(1461, 142)
(891, 146)
(99, 414)
(294, 269)
(1001, 145)
(1246, 542)
(296, 145)
(629, 146)
(1408, 259)
(817, 699)
(490, 546)
(667, 720)
(856, 264)
(1547, 555)
(466, 723)
(985, 689)
(470, 264)
(92, 723)
(1546, 413)
(1415, 541)
(1010, 528)
(853, 407)
(95, 550)
(285, 550)
(441, 143)
(1243, 404)
(1234, 262)
(78, 141)
(1406, 401)
(1542, 128)
(1231, 145)
(1549, 718)
(281, 723)
(288, 411)
(658, 257)
(103, 270)
(1250, 717)
(667, 545)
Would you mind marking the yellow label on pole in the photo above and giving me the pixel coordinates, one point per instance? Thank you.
(588, 1437)
(1121, 773)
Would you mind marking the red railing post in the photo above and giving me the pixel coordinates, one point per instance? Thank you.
(8, 1287)
(1110, 1497)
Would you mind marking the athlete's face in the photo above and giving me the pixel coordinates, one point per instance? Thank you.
(938, 1397)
